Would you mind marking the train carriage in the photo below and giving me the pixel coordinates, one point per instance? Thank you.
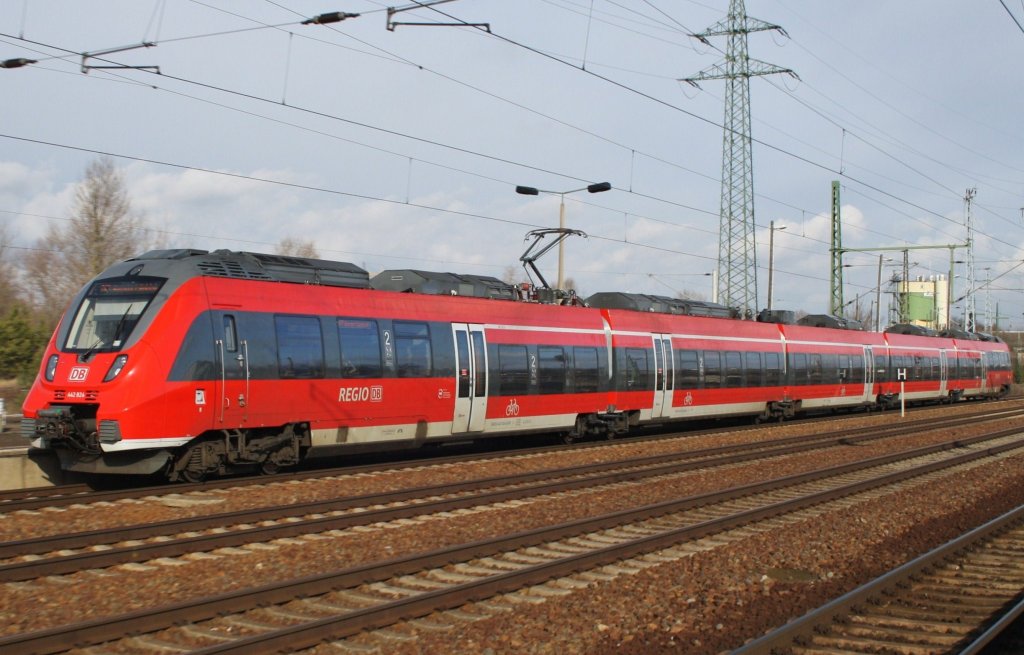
(917, 367)
(700, 366)
(831, 368)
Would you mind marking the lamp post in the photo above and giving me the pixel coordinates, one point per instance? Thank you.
(532, 191)
(771, 259)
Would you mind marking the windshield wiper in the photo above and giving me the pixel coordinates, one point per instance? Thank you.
(120, 325)
(84, 357)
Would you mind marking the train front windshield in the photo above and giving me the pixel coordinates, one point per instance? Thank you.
(109, 312)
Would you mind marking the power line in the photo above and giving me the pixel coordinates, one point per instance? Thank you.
(518, 164)
(1017, 22)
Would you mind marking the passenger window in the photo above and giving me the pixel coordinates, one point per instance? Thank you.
(413, 356)
(753, 369)
(552, 369)
(733, 370)
(798, 366)
(360, 348)
(773, 369)
(635, 370)
(300, 347)
(586, 369)
(712, 369)
(513, 371)
(689, 369)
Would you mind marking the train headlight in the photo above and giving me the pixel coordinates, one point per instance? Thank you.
(51, 367)
(115, 368)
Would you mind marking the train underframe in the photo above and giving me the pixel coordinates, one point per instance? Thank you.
(230, 451)
(71, 431)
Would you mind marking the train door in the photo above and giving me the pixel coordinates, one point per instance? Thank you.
(232, 395)
(664, 379)
(869, 373)
(470, 378)
(983, 365)
(943, 373)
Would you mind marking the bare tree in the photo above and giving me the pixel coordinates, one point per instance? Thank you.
(101, 231)
(513, 275)
(295, 248)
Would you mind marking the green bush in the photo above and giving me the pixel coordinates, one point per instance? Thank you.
(21, 345)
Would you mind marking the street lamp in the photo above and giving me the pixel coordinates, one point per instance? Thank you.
(532, 191)
(771, 259)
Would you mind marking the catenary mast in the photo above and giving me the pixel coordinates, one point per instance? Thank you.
(737, 252)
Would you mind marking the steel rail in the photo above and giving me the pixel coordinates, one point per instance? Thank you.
(504, 488)
(62, 495)
(784, 637)
(312, 633)
(39, 497)
(96, 631)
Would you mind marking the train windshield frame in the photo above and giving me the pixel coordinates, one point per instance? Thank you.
(109, 312)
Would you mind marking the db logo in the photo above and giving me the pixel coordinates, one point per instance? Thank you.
(78, 373)
(688, 399)
(512, 409)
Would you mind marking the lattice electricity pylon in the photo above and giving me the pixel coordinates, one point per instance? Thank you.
(970, 320)
(737, 247)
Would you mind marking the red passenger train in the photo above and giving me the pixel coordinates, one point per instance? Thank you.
(190, 363)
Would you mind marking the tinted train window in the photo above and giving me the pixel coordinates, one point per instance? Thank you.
(753, 369)
(773, 369)
(230, 334)
(856, 369)
(829, 369)
(798, 366)
(552, 369)
(712, 369)
(815, 374)
(635, 368)
(513, 371)
(412, 350)
(300, 348)
(689, 369)
(586, 369)
(733, 370)
(360, 348)
(881, 368)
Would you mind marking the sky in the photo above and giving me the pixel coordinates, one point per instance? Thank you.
(401, 148)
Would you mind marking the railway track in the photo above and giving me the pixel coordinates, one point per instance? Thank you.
(499, 572)
(67, 495)
(67, 553)
(70, 494)
(957, 598)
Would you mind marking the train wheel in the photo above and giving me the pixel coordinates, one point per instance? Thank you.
(269, 467)
(189, 475)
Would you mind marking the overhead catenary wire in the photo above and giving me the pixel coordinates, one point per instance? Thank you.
(308, 187)
(893, 196)
(707, 211)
